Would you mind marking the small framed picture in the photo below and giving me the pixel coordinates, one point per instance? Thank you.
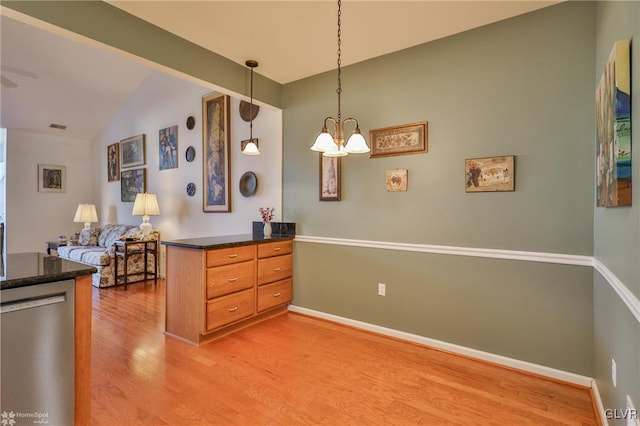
(113, 162)
(330, 178)
(132, 182)
(132, 150)
(397, 180)
(52, 178)
(399, 140)
(490, 174)
(168, 148)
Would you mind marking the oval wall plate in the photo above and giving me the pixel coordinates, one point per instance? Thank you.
(191, 122)
(248, 184)
(190, 154)
(191, 189)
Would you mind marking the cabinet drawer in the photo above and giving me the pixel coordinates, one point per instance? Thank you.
(274, 269)
(230, 278)
(227, 309)
(230, 255)
(275, 249)
(274, 294)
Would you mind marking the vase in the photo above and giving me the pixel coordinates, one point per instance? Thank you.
(267, 230)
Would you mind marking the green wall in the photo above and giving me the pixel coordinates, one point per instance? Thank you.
(617, 234)
(524, 87)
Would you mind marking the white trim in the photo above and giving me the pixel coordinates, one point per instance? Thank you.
(531, 256)
(625, 294)
(618, 286)
(599, 404)
(462, 350)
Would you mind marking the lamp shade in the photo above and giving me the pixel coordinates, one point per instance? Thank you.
(324, 142)
(357, 144)
(86, 213)
(145, 205)
(251, 148)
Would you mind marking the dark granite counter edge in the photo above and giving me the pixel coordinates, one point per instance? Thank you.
(45, 279)
(220, 242)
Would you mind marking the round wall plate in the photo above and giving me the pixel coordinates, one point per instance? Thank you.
(248, 184)
(191, 189)
(191, 122)
(190, 154)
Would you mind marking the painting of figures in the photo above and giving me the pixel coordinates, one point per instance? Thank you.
(168, 148)
(216, 196)
(613, 130)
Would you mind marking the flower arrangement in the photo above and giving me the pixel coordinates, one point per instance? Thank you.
(266, 213)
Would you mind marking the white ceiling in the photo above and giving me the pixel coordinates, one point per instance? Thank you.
(82, 86)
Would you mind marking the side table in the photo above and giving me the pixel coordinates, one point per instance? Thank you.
(125, 249)
(53, 245)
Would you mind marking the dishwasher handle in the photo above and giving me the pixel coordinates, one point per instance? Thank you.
(32, 302)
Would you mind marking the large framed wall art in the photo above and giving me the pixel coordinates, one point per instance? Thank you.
(613, 129)
(216, 194)
(132, 182)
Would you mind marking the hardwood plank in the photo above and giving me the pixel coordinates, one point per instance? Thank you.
(293, 369)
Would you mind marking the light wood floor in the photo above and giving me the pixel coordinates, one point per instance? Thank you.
(298, 370)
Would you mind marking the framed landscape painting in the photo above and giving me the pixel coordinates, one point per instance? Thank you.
(613, 129)
(399, 140)
(132, 150)
(490, 174)
(216, 194)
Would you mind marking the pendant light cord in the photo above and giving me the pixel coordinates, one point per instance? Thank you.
(251, 109)
(339, 89)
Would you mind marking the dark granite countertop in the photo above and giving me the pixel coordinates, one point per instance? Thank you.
(225, 241)
(25, 269)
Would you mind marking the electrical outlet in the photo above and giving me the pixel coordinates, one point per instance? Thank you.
(614, 372)
(382, 289)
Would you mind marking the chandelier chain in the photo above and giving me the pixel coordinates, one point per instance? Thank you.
(339, 89)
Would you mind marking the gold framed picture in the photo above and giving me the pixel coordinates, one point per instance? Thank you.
(399, 140)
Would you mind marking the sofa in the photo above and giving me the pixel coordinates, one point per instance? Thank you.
(95, 248)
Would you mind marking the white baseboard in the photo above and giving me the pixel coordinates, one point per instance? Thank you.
(462, 350)
(599, 404)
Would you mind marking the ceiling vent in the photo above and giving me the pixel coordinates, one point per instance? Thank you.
(57, 126)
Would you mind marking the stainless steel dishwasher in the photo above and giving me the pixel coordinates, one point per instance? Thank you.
(37, 353)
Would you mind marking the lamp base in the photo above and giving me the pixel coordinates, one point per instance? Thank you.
(145, 227)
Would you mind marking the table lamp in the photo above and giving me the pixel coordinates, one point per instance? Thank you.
(86, 213)
(145, 205)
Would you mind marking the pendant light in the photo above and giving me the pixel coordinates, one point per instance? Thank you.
(332, 145)
(251, 147)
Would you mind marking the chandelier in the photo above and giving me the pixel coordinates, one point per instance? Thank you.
(332, 144)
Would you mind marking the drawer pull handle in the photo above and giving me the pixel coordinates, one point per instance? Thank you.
(276, 269)
(233, 255)
(235, 308)
(277, 249)
(276, 294)
(234, 279)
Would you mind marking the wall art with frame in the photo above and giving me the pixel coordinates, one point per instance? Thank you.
(399, 140)
(133, 151)
(490, 174)
(613, 129)
(113, 162)
(168, 148)
(216, 194)
(52, 178)
(132, 182)
(330, 178)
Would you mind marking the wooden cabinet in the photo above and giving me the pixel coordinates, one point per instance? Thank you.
(213, 291)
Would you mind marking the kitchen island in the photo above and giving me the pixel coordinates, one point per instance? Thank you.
(216, 285)
(46, 339)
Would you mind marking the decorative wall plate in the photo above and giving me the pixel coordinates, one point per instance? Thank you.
(191, 189)
(246, 112)
(190, 154)
(248, 184)
(191, 122)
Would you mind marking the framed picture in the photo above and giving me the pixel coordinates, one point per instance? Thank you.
(168, 148)
(132, 150)
(490, 174)
(613, 129)
(113, 162)
(52, 178)
(399, 140)
(132, 182)
(216, 194)
(330, 178)
(397, 180)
